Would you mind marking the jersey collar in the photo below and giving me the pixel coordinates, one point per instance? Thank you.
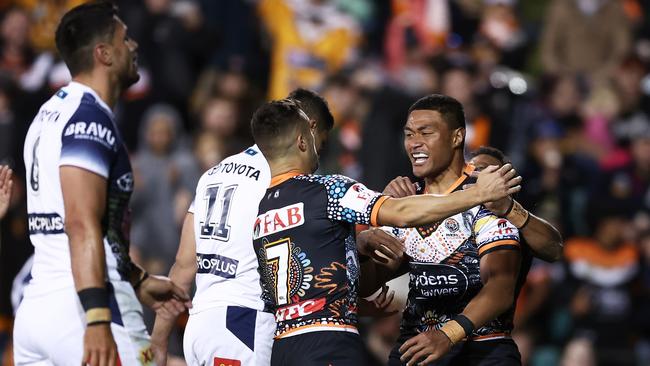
(467, 172)
(86, 89)
(281, 178)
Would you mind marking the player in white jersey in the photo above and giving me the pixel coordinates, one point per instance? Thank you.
(81, 305)
(227, 324)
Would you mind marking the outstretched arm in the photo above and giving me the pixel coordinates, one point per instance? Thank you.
(493, 184)
(543, 238)
(182, 273)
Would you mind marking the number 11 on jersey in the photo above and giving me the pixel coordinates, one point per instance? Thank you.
(215, 226)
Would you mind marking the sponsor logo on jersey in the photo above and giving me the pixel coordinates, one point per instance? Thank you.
(278, 220)
(300, 309)
(236, 168)
(125, 182)
(435, 280)
(146, 356)
(250, 151)
(91, 131)
(61, 94)
(217, 265)
(358, 197)
(218, 361)
(45, 223)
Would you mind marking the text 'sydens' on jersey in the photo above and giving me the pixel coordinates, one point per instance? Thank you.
(304, 240)
(74, 128)
(225, 209)
(444, 267)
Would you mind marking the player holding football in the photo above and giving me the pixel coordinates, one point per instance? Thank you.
(304, 237)
(216, 251)
(81, 305)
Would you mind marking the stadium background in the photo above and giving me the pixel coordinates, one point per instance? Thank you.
(561, 86)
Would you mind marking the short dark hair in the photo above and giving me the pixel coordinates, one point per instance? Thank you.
(450, 109)
(491, 151)
(274, 122)
(80, 29)
(315, 106)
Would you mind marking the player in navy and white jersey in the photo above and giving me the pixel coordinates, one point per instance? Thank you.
(79, 182)
(304, 238)
(216, 252)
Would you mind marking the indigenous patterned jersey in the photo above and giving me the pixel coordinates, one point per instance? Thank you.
(75, 128)
(444, 267)
(304, 241)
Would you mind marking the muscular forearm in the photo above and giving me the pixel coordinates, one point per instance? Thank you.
(543, 239)
(493, 300)
(424, 209)
(86, 253)
(181, 275)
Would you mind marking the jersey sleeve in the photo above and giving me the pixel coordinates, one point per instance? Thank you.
(494, 233)
(89, 140)
(191, 208)
(350, 201)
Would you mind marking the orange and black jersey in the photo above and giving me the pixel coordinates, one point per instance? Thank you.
(305, 245)
(444, 267)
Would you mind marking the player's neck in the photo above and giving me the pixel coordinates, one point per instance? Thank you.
(283, 166)
(102, 84)
(441, 182)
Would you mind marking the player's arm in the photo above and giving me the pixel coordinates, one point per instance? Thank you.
(543, 238)
(377, 270)
(493, 184)
(499, 270)
(6, 183)
(182, 273)
(84, 199)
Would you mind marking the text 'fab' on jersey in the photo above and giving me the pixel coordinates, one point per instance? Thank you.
(304, 240)
(75, 128)
(225, 209)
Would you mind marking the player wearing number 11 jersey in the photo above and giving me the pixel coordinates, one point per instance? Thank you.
(305, 244)
(228, 324)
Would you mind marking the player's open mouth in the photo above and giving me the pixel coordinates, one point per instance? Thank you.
(419, 158)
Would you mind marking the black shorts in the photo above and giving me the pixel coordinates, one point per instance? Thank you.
(319, 348)
(497, 352)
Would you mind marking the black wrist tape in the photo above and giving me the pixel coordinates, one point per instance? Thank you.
(467, 324)
(93, 297)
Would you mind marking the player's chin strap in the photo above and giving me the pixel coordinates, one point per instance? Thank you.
(458, 328)
(94, 301)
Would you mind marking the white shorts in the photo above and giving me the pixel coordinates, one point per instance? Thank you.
(49, 328)
(230, 336)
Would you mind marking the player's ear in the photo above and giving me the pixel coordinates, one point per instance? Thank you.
(301, 142)
(458, 137)
(103, 54)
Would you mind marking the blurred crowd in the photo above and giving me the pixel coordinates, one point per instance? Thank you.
(561, 86)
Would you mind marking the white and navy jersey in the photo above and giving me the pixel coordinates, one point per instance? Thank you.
(225, 209)
(74, 128)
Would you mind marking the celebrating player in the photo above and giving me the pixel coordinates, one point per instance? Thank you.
(304, 237)
(465, 271)
(79, 182)
(216, 249)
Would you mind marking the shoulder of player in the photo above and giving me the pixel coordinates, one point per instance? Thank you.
(326, 180)
(243, 164)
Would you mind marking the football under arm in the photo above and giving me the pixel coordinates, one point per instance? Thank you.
(84, 199)
(499, 271)
(424, 209)
(182, 273)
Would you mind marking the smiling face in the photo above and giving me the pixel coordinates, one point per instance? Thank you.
(430, 142)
